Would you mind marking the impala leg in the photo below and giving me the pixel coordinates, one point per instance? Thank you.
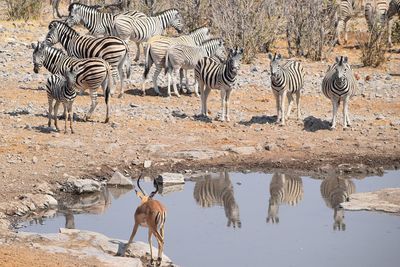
(134, 230)
(160, 241)
(151, 246)
(56, 105)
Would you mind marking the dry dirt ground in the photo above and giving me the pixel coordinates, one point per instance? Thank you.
(165, 130)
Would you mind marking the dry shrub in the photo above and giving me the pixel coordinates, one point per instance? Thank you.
(23, 9)
(396, 32)
(373, 47)
(310, 27)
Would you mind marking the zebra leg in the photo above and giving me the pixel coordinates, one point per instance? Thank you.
(345, 31)
(223, 101)
(335, 104)
(196, 88)
(298, 104)
(155, 78)
(93, 96)
(206, 93)
(174, 84)
(201, 86)
(66, 117)
(50, 110)
(71, 117)
(181, 81)
(187, 82)
(121, 79)
(137, 56)
(390, 27)
(346, 116)
(276, 94)
(282, 106)
(228, 94)
(56, 105)
(169, 74)
(290, 103)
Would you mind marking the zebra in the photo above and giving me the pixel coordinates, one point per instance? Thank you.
(284, 189)
(334, 191)
(142, 29)
(102, 24)
(186, 57)
(62, 90)
(338, 85)
(211, 74)
(219, 191)
(94, 72)
(157, 47)
(112, 49)
(376, 11)
(286, 79)
(346, 10)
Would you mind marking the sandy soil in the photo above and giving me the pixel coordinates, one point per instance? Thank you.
(165, 130)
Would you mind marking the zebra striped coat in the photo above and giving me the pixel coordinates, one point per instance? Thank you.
(157, 47)
(211, 74)
(186, 57)
(104, 24)
(210, 192)
(93, 72)
(111, 49)
(286, 79)
(336, 190)
(61, 89)
(394, 9)
(376, 13)
(284, 189)
(338, 85)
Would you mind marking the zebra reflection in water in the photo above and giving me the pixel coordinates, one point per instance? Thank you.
(336, 190)
(284, 189)
(210, 192)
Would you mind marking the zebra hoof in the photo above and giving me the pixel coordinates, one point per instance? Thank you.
(107, 120)
(120, 95)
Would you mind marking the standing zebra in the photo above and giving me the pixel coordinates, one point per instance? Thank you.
(61, 89)
(338, 85)
(209, 192)
(346, 11)
(157, 47)
(376, 11)
(335, 191)
(112, 49)
(211, 74)
(142, 29)
(186, 57)
(283, 189)
(100, 23)
(286, 79)
(93, 72)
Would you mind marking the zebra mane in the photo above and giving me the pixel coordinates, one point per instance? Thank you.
(55, 50)
(90, 8)
(198, 29)
(166, 11)
(63, 25)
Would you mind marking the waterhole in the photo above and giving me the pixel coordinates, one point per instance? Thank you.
(252, 219)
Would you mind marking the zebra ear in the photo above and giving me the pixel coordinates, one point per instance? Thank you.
(337, 59)
(33, 45)
(278, 57)
(241, 50)
(270, 56)
(231, 51)
(345, 60)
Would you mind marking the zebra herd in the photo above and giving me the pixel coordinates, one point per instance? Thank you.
(284, 189)
(376, 13)
(103, 57)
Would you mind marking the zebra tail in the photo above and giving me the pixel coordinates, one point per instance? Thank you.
(127, 65)
(147, 62)
(109, 84)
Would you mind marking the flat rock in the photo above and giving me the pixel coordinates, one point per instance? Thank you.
(386, 200)
(170, 178)
(81, 186)
(120, 180)
(243, 150)
(197, 154)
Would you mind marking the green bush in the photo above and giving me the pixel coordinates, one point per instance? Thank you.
(24, 9)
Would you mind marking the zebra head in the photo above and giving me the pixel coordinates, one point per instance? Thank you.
(176, 20)
(75, 14)
(59, 32)
(275, 66)
(38, 56)
(342, 70)
(70, 75)
(234, 58)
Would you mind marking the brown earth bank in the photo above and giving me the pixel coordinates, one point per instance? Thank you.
(166, 132)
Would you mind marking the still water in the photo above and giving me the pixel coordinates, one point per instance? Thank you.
(255, 219)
